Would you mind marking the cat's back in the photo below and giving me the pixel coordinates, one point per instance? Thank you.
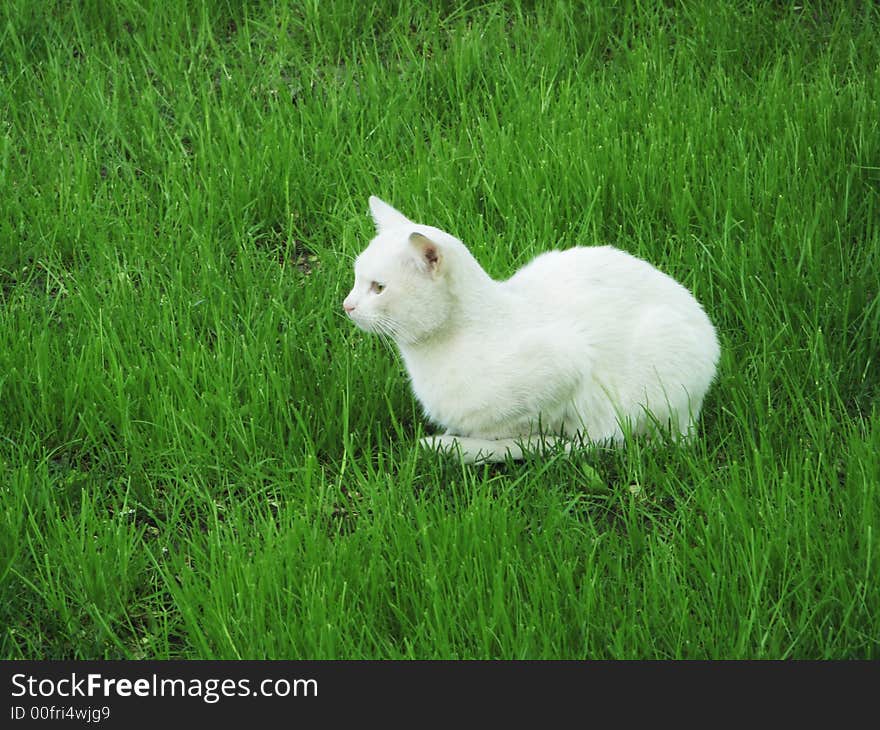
(591, 275)
(579, 260)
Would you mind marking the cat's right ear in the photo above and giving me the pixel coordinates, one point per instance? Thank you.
(428, 252)
(384, 216)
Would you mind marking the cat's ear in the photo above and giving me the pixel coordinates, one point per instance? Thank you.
(428, 252)
(384, 216)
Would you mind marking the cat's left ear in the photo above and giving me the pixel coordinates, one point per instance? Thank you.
(384, 216)
(428, 252)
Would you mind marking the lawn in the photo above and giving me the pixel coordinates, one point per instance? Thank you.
(200, 457)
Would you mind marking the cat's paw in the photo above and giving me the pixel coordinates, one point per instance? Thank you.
(445, 443)
(471, 450)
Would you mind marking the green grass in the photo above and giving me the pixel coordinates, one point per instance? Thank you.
(200, 457)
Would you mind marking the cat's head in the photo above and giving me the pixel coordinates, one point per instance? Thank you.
(401, 279)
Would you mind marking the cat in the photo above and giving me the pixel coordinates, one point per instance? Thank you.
(589, 343)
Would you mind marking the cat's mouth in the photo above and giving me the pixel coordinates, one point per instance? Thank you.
(364, 323)
(380, 325)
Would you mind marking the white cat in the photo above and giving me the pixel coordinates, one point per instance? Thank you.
(587, 342)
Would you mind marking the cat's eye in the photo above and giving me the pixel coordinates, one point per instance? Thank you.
(377, 288)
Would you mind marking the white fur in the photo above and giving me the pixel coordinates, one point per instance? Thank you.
(589, 341)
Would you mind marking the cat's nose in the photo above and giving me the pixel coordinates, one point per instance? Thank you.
(349, 308)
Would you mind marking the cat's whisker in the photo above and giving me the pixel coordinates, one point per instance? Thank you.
(391, 327)
(384, 327)
(387, 339)
(387, 326)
